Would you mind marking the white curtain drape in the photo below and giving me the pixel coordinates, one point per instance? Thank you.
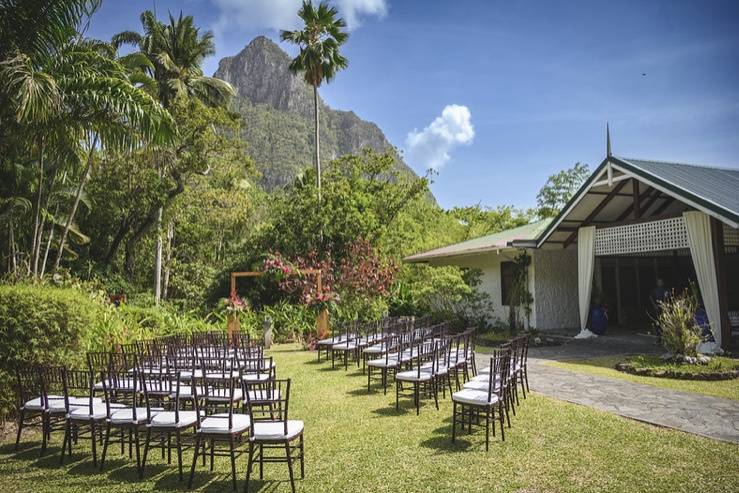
(585, 263)
(698, 227)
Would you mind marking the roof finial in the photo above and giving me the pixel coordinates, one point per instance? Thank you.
(608, 141)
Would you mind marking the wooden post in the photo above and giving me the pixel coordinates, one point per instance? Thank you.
(637, 199)
(717, 240)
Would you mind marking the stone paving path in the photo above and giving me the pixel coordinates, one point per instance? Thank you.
(711, 417)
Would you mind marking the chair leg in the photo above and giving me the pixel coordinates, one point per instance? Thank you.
(500, 417)
(179, 452)
(290, 466)
(94, 444)
(20, 428)
(195, 461)
(302, 458)
(147, 442)
(487, 430)
(436, 392)
(138, 453)
(397, 396)
(105, 445)
(369, 372)
(526, 377)
(233, 460)
(248, 466)
(67, 439)
(417, 397)
(523, 386)
(261, 461)
(454, 421)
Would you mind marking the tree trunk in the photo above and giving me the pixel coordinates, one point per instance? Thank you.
(318, 143)
(76, 203)
(11, 239)
(149, 221)
(48, 243)
(158, 262)
(117, 239)
(168, 259)
(37, 213)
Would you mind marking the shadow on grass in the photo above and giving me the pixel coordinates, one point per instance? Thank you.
(443, 443)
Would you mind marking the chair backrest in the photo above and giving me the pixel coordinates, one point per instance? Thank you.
(52, 378)
(160, 386)
(500, 362)
(29, 384)
(276, 411)
(79, 384)
(216, 394)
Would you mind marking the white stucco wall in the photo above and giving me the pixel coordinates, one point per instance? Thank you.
(489, 265)
(555, 289)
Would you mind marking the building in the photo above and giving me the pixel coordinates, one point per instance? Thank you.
(633, 221)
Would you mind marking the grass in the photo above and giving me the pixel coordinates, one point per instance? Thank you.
(357, 442)
(717, 363)
(604, 366)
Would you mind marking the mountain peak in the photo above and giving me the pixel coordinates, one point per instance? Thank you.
(277, 113)
(260, 73)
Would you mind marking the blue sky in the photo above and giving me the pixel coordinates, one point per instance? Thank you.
(500, 94)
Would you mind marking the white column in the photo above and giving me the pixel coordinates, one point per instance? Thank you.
(698, 227)
(585, 263)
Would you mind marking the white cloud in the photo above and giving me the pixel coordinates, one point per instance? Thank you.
(430, 147)
(282, 14)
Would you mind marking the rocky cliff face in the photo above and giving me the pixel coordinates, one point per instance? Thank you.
(277, 111)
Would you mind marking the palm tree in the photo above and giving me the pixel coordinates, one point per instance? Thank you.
(59, 91)
(168, 62)
(319, 58)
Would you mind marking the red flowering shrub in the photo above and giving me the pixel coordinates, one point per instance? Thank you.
(363, 271)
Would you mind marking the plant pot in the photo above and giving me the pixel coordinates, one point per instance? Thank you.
(322, 325)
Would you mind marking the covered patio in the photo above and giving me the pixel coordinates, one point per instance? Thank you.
(635, 221)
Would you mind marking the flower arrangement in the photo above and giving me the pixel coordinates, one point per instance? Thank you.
(235, 304)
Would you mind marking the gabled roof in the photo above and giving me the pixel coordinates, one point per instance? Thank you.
(496, 241)
(712, 190)
(716, 188)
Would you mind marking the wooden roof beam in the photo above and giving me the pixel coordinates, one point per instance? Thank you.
(596, 211)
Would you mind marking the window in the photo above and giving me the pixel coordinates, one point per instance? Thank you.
(507, 270)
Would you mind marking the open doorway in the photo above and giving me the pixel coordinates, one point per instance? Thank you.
(624, 284)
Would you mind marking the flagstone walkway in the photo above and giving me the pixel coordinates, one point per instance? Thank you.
(711, 417)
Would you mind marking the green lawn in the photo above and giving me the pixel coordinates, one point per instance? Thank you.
(357, 442)
(604, 366)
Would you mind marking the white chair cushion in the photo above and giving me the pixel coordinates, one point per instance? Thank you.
(480, 385)
(413, 376)
(474, 397)
(167, 419)
(381, 363)
(218, 423)
(275, 430)
(97, 412)
(122, 416)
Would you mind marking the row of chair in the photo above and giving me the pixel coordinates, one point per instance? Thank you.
(207, 393)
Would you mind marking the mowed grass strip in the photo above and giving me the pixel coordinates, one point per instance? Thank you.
(604, 366)
(356, 442)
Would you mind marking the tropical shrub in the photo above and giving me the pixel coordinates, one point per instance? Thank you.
(45, 325)
(676, 319)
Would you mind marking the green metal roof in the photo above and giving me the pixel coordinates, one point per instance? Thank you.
(712, 189)
(496, 241)
(716, 188)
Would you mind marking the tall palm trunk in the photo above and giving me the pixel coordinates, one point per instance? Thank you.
(37, 229)
(158, 263)
(318, 143)
(77, 198)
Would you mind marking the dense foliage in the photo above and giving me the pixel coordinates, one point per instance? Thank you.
(128, 172)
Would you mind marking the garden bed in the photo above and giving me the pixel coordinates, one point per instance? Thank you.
(495, 338)
(718, 368)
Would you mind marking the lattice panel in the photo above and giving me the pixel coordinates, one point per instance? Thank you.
(653, 236)
(731, 236)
